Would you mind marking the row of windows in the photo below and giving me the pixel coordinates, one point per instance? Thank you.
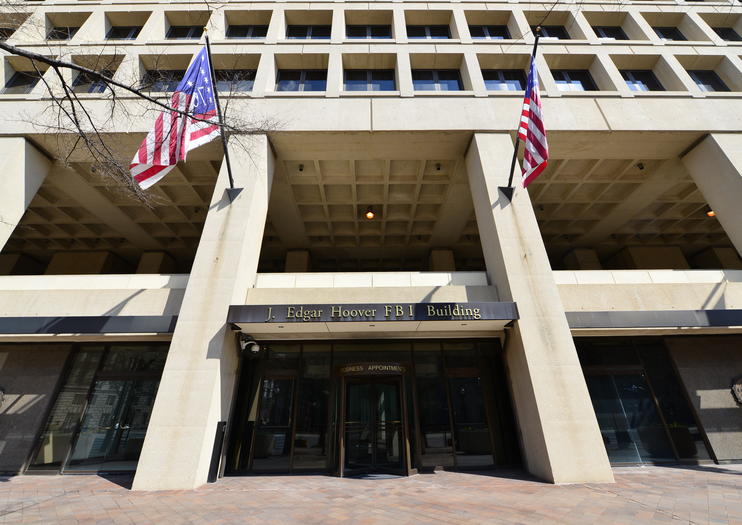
(310, 32)
(240, 80)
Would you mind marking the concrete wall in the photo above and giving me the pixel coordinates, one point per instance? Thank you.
(29, 374)
(707, 366)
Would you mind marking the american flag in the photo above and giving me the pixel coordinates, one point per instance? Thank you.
(531, 130)
(174, 135)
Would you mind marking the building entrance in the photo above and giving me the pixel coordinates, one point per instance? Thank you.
(373, 427)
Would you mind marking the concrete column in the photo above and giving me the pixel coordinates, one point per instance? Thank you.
(198, 381)
(716, 167)
(24, 169)
(559, 432)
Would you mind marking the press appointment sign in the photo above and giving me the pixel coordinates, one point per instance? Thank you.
(376, 312)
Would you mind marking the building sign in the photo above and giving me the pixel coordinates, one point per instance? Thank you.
(378, 369)
(379, 312)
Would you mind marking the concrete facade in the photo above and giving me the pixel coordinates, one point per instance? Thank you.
(613, 240)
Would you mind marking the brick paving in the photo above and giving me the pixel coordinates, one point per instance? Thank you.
(699, 495)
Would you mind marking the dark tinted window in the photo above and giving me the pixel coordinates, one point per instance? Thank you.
(641, 80)
(21, 82)
(669, 33)
(504, 79)
(162, 80)
(436, 80)
(301, 80)
(491, 32)
(87, 83)
(369, 80)
(552, 32)
(573, 80)
(249, 31)
(123, 32)
(302, 31)
(234, 79)
(185, 32)
(727, 33)
(708, 80)
(62, 33)
(614, 32)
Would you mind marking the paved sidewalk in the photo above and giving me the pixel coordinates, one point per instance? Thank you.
(710, 494)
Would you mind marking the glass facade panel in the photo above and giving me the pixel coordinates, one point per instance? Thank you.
(272, 447)
(312, 430)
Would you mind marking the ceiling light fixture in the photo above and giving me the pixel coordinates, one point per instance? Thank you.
(438, 166)
(710, 212)
(370, 215)
(301, 167)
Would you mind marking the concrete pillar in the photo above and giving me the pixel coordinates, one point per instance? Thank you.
(559, 432)
(198, 381)
(24, 169)
(716, 167)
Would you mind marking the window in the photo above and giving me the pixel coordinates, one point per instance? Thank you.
(669, 33)
(162, 80)
(301, 80)
(369, 80)
(62, 33)
(708, 80)
(87, 83)
(375, 31)
(184, 32)
(21, 82)
(610, 32)
(727, 33)
(574, 80)
(123, 32)
(641, 80)
(428, 32)
(247, 31)
(234, 79)
(552, 32)
(436, 80)
(489, 32)
(504, 79)
(308, 32)
(6, 33)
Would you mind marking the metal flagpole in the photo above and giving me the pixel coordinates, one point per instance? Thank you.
(508, 190)
(232, 191)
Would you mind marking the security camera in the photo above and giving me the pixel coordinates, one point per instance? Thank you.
(248, 343)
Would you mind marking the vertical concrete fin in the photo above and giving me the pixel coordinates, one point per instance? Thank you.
(560, 435)
(199, 376)
(24, 169)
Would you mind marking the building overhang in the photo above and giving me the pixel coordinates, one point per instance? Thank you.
(374, 319)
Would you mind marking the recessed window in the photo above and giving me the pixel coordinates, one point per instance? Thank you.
(249, 31)
(369, 80)
(232, 80)
(62, 33)
(573, 80)
(669, 33)
(552, 32)
(437, 31)
(21, 82)
(708, 80)
(489, 32)
(308, 32)
(641, 80)
(504, 79)
(436, 80)
(6, 33)
(610, 32)
(162, 80)
(184, 32)
(87, 83)
(123, 32)
(368, 31)
(727, 33)
(301, 80)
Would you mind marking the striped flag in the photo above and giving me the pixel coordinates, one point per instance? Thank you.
(532, 131)
(174, 134)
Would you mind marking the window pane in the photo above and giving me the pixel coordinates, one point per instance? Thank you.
(381, 31)
(321, 31)
(232, 80)
(435, 423)
(448, 80)
(423, 80)
(356, 80)
(553, 32)
(62, 33)
(312, 432)
(504, 80)
(477, 32)
(439, 32)
(613, 32)
(641, 80)
(315, 80)
(297, 31)
(259, 31)
(498, 32)
(669, 33)
(163, 81)
(85, 83)
(574, 80)
(727, 33)
(382, 80)
(288, 80)
(21, 82)
(416, 32)
(356, 31)
(473, 444)
(272, 446)
(123, 32)
(708, 80)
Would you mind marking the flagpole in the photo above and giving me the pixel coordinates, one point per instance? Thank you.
(222, 131)
(509, 189)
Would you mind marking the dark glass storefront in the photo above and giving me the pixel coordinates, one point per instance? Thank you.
(641, 406)
(102, 409)
(380, 406)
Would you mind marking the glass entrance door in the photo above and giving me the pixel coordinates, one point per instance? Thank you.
(373, 427)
